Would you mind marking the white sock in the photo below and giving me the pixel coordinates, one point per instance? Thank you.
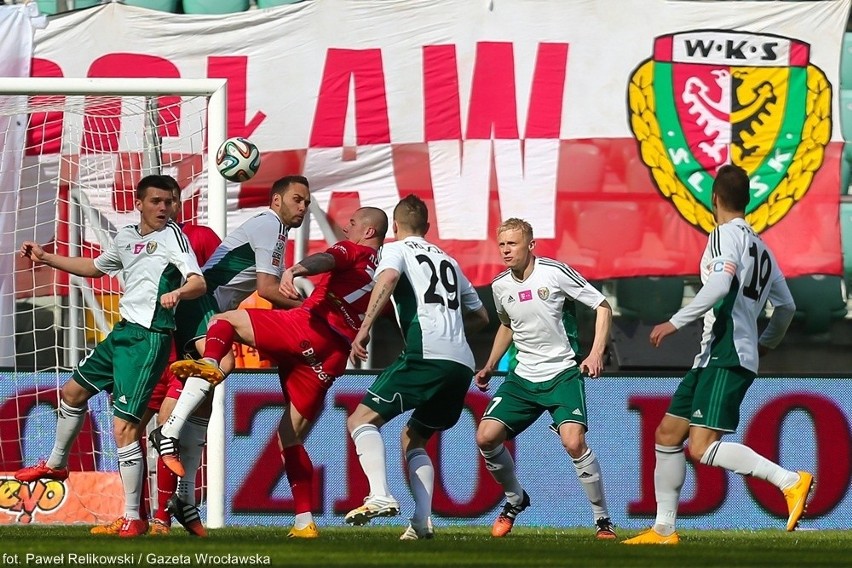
(68, 423)
(745, 461)
(589, 473)
(502, 467)
(371, 452)
(194, 392)
(302, 520)
(132, 470)
(669, 475)
(192, 441)
(421, 479)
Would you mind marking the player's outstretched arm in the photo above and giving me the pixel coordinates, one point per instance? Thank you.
(317, 263)
(78, 265)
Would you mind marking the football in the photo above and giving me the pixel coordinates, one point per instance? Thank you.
(237, 159)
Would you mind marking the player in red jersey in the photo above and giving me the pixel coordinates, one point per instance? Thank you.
(310, 344)
(203, 241)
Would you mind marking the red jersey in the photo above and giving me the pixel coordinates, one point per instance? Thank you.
(202, 239)
(342, 295)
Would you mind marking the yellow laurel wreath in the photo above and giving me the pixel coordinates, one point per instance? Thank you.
(808, 158)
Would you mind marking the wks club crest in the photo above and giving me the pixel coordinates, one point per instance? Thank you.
(707, 98)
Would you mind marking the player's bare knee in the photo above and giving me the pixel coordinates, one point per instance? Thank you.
(75, 395)
(125, 432)
(667, 434)
(575, 446)
(488, 438)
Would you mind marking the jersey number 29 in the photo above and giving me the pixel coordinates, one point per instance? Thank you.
(448, 280)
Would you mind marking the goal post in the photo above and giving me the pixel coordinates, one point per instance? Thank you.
(71, 150)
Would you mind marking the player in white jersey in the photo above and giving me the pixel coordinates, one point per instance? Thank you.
(250, 258)
(154, 258)
(435, 304)
(739, 274)
(532, 298)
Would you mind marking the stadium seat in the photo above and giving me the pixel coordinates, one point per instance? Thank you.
(846, 236)
(820, 300)
(214, 6)
(846, 62)
(159, 5)
(50, 7)
(581, 167)
(275, 3)
(651, 299)
(846, 114)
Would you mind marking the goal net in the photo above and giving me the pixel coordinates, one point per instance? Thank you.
(71, 154)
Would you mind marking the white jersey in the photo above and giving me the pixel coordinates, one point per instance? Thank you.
(730, 329)
(534, 309)
(256, 246)
(151, 265)
(429, 300)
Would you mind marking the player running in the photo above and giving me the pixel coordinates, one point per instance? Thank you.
(739, 274)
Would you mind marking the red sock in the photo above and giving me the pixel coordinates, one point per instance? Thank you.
(300, 474)
(166, 486)
(219, 340)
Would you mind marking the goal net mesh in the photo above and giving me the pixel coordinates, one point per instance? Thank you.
(69, 166)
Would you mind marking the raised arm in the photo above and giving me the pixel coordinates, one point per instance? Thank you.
(78, 265)
(317, 263)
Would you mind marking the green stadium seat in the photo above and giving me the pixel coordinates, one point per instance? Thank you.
(214, 6)
(846, 236)
(846, 114)
(275, 3)
(820, 300)
(50, 7)
(159, 5)
(846, 62)
(649, 299)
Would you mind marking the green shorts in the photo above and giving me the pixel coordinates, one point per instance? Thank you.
(711, 397)
(434, 388)
(519, 402)
(127, 363)
(191, 320)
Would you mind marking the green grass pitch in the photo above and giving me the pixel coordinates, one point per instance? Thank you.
(452, 546)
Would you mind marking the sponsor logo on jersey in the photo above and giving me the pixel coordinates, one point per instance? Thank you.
(543, 293)
(511, 300)
(138, 247)
(525, 295)
(278, 252)
(705, 98)
(151, 247)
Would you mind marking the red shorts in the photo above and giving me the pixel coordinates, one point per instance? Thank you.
(309, 355)
(169, 386)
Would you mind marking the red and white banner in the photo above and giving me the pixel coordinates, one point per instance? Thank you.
(600, 121)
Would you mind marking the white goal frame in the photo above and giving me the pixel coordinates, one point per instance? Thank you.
(216, 92)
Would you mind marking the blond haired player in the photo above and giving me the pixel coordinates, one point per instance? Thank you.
(531, 298)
